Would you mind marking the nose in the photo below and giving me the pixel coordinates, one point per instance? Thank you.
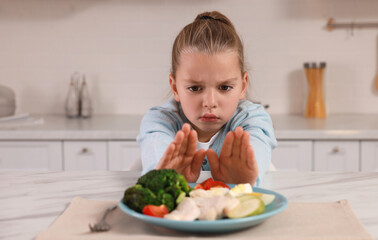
(209, 100)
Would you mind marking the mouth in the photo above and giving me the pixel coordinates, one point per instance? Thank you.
(209, 117)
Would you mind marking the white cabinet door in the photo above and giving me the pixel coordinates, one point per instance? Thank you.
(124, 156)
(293, 156)
(34, 155)
(336, 155)
(369, 156)
(85, 155)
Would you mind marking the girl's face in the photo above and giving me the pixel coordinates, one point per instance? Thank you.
(209, 88)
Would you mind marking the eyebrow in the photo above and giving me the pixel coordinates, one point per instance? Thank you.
(226, 81)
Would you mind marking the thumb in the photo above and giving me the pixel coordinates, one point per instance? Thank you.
(212, 157)
(197, 160)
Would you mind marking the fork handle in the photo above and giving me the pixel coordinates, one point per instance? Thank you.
(108, 210)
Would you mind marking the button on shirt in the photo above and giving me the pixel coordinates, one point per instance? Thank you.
(160, 125)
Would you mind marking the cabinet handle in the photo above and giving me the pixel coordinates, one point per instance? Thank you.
(84, 150)
(335, 150)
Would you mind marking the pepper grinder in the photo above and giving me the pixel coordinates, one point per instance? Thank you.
(315, 107)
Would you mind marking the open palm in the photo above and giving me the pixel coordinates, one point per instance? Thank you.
(182, 154)
(236, 162)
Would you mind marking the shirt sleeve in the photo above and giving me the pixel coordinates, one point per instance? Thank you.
(253, 118)
(157, 130)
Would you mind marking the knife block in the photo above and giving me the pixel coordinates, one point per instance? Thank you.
(315, 107)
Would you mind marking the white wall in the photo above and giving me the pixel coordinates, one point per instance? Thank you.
(124, 46)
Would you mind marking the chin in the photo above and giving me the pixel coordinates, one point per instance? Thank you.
(210, 127)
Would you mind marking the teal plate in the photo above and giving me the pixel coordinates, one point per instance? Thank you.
(217, 226)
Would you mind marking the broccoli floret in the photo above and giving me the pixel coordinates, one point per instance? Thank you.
(156, 187)
(168, 180)
(183, 183)
(136, 197)
(166, 199)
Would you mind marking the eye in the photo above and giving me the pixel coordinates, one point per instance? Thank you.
(194, 88)
(225, 88)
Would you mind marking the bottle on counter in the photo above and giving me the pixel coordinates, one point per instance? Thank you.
(85, 100)
(315, 107)
(72, 101)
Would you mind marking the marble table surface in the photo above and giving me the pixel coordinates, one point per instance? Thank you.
(30, 201)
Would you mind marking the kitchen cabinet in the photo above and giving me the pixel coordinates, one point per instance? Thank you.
(369, 156)
(124, 156)
(319, 155)
(336, 156)
(293, 156)
(85, 155)
(70, 155)
(31, 155)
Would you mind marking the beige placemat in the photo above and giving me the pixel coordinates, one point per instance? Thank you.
(331, 220)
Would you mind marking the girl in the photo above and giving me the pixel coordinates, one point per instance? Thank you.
(208, 125)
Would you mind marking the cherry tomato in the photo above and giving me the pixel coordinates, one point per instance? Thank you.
(214, 184)
(155, 211)
(206, 182)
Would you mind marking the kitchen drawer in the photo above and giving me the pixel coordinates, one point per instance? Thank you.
(31, 155)
(336, 155)
(293, 156)
(124, 156)
(369, 156)
(85, 155)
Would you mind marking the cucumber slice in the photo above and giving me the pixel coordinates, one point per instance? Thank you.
(249, 206)
(266, 198)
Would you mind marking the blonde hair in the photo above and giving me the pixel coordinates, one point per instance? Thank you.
(210, 32)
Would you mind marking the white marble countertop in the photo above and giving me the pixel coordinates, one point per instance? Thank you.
(31, 201)
(126, 127)
(337, 127)
(58, 127)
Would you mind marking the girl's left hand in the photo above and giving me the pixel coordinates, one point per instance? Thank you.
(236, 162)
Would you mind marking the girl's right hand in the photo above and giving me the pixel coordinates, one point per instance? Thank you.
(182, 154)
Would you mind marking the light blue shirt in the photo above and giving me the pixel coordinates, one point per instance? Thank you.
(160, 125)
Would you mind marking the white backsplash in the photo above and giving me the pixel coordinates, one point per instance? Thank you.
(124, 47)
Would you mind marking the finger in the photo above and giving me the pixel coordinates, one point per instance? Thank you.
(244, 145)
(184, 145)
(178, 142)
(251, 159)
(198, 158)
(192, 143)
(166, 159)
(227, 145)
(212, 157)
(237, 142)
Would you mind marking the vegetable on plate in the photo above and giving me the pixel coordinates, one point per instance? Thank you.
(210, 183)
(249, 206)
(155, 211)
(157, 187)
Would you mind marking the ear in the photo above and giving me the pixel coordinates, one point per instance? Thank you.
(172, 82)
(245, 80)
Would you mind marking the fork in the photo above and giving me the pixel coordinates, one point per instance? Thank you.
(102, 225)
